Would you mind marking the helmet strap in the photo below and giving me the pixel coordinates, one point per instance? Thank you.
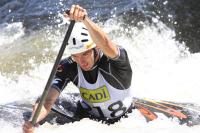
(96, 57)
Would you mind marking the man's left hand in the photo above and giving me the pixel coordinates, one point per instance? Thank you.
(77, 13)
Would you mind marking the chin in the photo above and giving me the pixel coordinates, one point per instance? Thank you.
(87, 68)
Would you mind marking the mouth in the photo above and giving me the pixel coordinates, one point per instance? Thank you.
(84, 65)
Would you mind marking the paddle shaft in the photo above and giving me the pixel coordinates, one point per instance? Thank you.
(52, 74)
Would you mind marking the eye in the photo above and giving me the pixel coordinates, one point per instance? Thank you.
(87, 53)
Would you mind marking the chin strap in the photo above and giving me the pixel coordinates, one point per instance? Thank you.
(96, 58)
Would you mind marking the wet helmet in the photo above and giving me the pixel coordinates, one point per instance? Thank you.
(80, 40)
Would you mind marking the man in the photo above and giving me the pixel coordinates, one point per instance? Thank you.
(97, 66)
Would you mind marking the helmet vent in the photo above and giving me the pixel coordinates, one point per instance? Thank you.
(84, 34)
(84, 28)
(74, 41)
(84, 40)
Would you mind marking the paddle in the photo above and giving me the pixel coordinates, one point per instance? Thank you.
(59, 56)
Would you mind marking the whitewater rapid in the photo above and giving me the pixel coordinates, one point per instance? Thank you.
(163, 69)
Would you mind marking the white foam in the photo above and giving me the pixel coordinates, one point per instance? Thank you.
(24, 86)
(162, 69)
(135, 123)
(10, 32)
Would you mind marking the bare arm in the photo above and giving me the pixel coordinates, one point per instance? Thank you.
(49, 101)
(99, 37)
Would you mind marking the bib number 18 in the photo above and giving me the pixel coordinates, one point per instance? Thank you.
(116, 109)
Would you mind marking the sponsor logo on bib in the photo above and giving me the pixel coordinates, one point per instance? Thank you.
(98, 95)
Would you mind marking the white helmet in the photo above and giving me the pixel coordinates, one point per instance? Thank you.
(80, 40)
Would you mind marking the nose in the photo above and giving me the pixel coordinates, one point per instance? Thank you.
(81, 59)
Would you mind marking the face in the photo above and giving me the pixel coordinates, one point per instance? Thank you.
(85, 60)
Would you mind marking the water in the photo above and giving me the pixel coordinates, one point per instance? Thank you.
(165, 66)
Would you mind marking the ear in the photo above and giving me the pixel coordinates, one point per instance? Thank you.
(72, 58)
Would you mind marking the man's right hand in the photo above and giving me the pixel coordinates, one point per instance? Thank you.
(77, 13)
(28, 127)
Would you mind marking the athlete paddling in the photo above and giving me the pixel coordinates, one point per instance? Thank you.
(98, 67)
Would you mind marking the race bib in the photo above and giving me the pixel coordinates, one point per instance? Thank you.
(98, 95)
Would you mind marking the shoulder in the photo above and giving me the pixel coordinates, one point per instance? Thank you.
(122, 55)
(67, 61)
(67, 68)
(122, 58)
(117, 71)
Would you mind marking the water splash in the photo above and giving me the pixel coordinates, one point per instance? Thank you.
(10, 32)
(162, 69)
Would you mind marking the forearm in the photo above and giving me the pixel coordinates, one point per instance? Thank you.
(46, 108)
(101, 39)
(43, 113)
